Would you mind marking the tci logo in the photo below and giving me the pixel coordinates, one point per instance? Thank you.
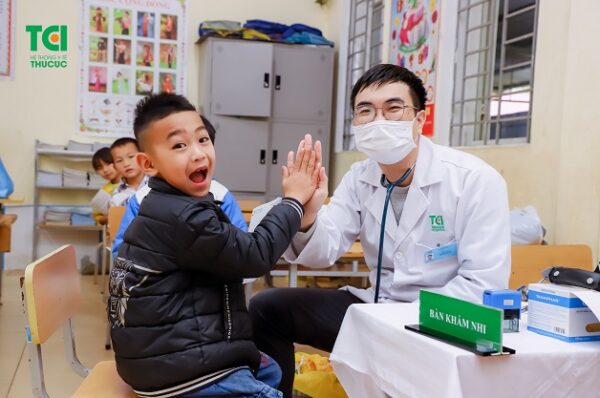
(54, 37)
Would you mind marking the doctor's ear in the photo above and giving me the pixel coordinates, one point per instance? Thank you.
(146, 164)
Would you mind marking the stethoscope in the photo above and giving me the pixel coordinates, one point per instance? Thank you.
(389, 187)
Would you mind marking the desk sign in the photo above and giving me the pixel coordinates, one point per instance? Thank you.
(471, 326)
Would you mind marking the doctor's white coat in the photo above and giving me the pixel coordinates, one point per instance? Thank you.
(454, 198)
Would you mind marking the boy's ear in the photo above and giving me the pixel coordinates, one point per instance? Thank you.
(146, 164)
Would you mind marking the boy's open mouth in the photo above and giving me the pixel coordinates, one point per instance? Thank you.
(199, 176)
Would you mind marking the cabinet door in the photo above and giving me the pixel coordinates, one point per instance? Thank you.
(241, 78)
(285, 137)
(241, 153)
(303, 83)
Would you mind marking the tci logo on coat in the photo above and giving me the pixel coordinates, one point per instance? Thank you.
(53, 38)
(437, 223)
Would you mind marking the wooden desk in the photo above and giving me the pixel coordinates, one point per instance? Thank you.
(247, 206)
(354, 256)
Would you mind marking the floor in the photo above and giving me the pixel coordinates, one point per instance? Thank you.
(89, 327)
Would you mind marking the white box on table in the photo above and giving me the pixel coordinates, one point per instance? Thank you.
(553, 310)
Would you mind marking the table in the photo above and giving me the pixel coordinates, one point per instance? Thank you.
(375, 357)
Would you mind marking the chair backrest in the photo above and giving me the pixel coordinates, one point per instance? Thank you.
(53, 292)
(115, 215)
(529, 261)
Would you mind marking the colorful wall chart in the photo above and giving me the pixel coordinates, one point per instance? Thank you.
(129, 49)
(7, 39)
(414, 44)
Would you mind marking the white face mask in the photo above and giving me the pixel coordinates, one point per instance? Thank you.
(385, 141)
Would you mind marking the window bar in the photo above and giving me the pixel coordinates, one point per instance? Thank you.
(493, 15)
(524, 10)
(518, 38)
(516, 66)
(485, 25)
(464, 71)
(535, 24)
(471, 6)
(368, 27)
(500, 74)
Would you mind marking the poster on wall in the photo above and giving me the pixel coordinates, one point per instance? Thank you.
(129, 49)
(7, 39)
(414, 43)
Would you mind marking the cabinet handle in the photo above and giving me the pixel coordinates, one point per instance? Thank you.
(274, 157)
(266, 80)
(277, 82)
(263, 156)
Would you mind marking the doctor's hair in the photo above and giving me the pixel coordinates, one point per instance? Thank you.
(388, 73)
(101, 155)
(156, 107)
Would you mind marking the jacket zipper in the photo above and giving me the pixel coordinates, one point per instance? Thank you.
(227, 313)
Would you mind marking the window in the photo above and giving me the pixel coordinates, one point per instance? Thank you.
(365, 44)
(493, 72)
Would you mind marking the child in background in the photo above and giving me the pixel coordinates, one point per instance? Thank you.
(124, 151)
(103, 165)
(179, 322)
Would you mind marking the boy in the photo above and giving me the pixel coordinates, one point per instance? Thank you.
(103, 165)
(221, 194)
(123, 152)
(180, 326)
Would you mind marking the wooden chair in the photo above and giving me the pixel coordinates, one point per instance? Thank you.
(529, 261)
(51, 297)
(115, 215)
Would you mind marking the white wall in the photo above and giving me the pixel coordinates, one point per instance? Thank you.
(41, 104)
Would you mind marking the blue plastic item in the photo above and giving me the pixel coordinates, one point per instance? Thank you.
(6, 184)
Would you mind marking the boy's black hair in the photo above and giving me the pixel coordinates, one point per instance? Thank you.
(124, 141)
(101, 155)
(155, 107)
(388, 73)
(210, 129)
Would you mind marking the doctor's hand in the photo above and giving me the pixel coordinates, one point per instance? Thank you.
(300, 176)
(311, 208)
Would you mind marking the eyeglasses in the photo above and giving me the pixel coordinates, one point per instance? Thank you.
(393, 110)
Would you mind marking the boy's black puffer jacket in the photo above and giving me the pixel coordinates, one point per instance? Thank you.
(177, 306)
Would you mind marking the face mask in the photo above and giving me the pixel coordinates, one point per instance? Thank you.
(385, 141)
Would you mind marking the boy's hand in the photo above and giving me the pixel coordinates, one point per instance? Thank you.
(300, 176)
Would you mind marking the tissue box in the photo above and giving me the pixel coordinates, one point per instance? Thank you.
(556, 312)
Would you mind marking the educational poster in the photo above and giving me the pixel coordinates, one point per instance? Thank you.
(7, 39)
(129, 49)
(414, 41)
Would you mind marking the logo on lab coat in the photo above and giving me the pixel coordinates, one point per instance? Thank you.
(437, 223)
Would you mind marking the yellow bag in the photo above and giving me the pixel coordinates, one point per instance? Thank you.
(315, 377)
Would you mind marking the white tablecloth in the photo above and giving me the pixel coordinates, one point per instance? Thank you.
(374, 355)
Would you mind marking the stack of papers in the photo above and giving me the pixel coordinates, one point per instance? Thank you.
(79, 146)
(95, 181)
(82, 216)
(57, 216)
(74, 178)
(49, 179)
(43, 145)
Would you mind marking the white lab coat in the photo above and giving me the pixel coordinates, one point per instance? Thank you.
(470, 196)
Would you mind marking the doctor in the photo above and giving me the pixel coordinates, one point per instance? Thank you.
(446, 229)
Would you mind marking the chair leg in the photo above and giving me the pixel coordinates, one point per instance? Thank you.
(108, 342)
